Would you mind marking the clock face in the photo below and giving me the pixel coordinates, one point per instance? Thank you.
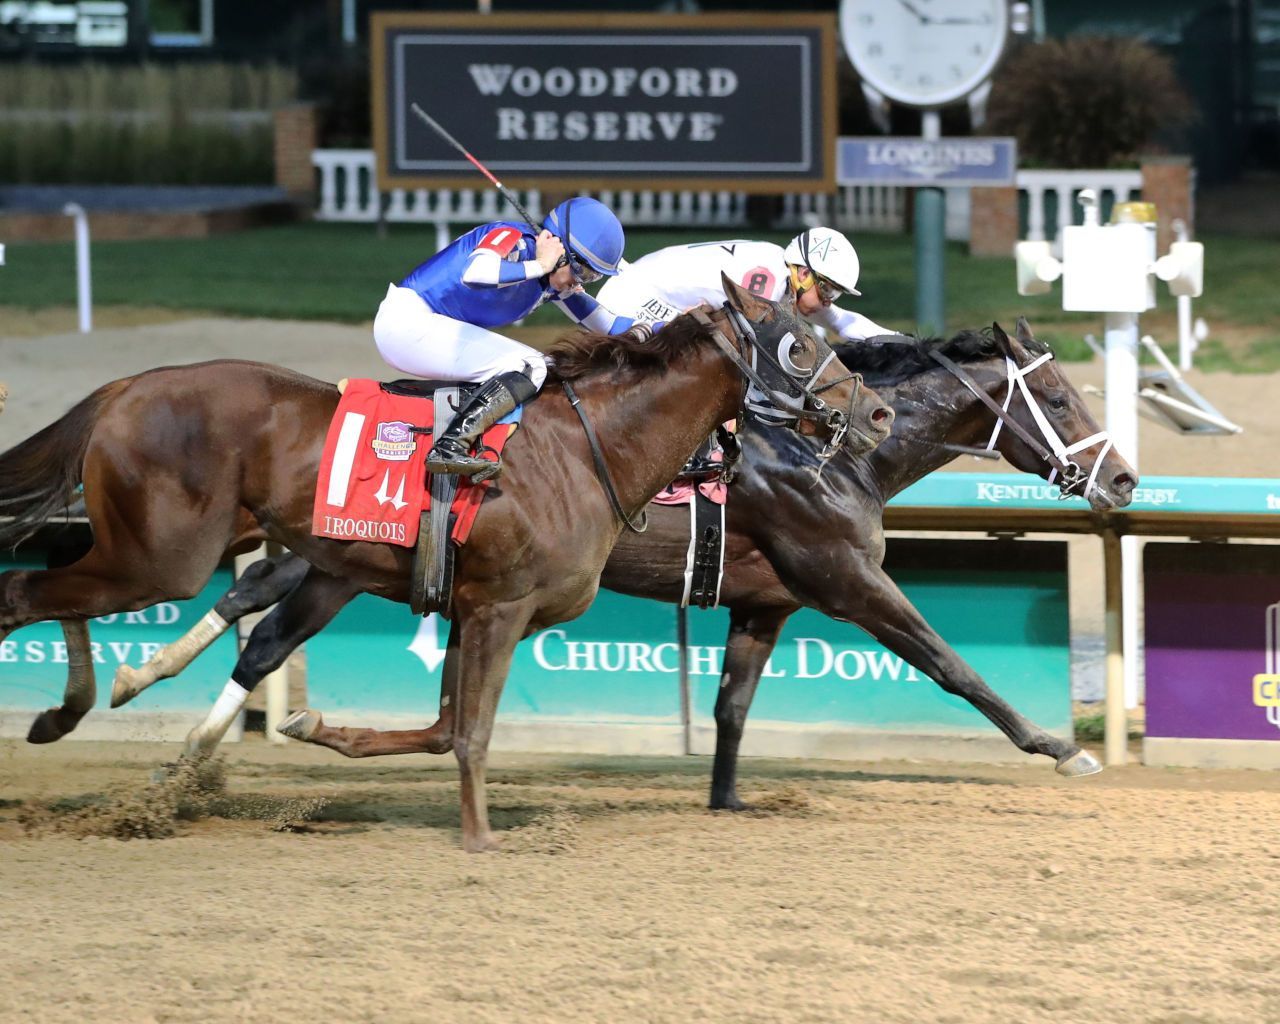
(924, 52)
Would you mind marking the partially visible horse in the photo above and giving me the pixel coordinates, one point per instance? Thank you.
(175, 460)
(4, 396)
(790, 541)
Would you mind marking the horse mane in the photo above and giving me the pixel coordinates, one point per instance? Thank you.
(885, 364)
(578, 354)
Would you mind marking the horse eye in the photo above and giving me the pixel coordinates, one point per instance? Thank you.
(1058, 403)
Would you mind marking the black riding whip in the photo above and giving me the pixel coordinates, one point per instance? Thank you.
(507, 194)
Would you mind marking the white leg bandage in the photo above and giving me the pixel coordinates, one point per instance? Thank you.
(205, 736)
(173, 658)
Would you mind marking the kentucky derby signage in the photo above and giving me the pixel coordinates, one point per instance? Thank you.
(877, 160)
(708, 101)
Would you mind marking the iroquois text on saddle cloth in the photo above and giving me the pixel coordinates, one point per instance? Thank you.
(372, 481)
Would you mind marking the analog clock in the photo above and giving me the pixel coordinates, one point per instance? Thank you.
(924, 53)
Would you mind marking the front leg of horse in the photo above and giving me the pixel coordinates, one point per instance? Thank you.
(264, 583)
(309, 727)
(753, 633)
(879, 607)
(488, 637)
(81, 689)
(305, 610)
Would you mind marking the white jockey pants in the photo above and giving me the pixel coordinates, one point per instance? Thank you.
(416, 340)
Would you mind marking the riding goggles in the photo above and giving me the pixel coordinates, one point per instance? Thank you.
(827, 291)
(583, 272)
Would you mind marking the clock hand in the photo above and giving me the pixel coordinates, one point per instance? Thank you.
(924, 19)
(984, 20)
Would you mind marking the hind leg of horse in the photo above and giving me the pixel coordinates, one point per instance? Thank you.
(303, 611)
(753, 634)
(309, 726)
(883, 610)
(81, 689)
(263, 584)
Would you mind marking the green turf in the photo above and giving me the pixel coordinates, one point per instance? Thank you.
(340, 272)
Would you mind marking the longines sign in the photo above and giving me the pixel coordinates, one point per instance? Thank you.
(618, 101)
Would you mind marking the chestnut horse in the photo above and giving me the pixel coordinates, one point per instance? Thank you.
(780, 524)
(174, 460)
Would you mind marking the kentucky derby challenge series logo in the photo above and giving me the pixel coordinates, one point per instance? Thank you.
(1266, 685)
(394, 441)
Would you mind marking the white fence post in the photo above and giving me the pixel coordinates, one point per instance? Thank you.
(84, 285)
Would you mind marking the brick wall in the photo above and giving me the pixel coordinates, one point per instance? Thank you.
(993, 221)
(297, 133)
(1166, 181)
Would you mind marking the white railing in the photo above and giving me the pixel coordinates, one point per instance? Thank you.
(348, 192)
(1064, 186)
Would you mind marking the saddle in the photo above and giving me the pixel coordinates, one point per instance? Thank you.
(386, 448)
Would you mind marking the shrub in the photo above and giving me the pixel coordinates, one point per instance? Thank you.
(182, 124)
(1087, 101)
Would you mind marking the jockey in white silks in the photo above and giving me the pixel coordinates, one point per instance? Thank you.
(821, 265)
(437, 322)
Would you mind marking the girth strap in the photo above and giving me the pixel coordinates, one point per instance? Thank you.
(641, 522)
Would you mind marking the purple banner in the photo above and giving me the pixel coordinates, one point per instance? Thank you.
(1211, 634)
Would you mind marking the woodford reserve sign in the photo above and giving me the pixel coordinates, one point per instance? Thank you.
(744, 102)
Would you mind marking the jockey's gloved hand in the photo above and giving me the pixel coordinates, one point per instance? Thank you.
(549, 251)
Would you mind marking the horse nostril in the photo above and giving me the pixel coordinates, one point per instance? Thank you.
(882, 415)
(1124, 482)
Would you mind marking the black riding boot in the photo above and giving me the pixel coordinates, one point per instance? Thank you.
(451, 452)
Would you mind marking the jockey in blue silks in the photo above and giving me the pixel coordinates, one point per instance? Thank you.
(436, 322)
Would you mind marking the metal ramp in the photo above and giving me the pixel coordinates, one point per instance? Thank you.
(1169, 400)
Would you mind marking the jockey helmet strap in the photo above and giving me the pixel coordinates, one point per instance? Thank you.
(563, 261)
(803, 242)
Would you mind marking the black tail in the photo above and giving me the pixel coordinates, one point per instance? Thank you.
(39, 476)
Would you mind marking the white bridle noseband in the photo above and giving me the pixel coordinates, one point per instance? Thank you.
(1017, 375)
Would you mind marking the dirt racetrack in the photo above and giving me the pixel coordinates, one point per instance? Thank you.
(315, 888)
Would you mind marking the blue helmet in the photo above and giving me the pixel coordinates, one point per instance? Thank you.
(589, 230)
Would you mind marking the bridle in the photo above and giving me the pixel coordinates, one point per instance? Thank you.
(1067, 474)
(777, 407)
(805, 405)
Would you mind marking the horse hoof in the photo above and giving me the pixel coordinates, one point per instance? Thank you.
(46, 728)
(125, 687)
(488, 843)
(300, 725)
(1080, 763)
(732, 805)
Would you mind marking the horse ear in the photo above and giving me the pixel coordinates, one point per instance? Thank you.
(751, 306)
(1003, 342)
(1023, 331)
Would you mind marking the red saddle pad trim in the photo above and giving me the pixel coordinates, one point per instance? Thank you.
(372, 480)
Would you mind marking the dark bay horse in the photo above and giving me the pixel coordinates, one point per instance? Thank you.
(179, 463)
(781, 527)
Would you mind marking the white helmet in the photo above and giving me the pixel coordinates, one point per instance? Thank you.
(827, 253)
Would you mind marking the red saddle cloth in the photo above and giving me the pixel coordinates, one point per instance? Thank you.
(373, 479)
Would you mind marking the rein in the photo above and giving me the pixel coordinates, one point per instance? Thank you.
(1056, 455)
(742, 329)
(641, 522)
(743, 334)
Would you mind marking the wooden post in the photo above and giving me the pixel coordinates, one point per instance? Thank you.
(1117, 731)
(686, 701)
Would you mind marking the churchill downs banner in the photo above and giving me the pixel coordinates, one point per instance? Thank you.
(710, 101)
